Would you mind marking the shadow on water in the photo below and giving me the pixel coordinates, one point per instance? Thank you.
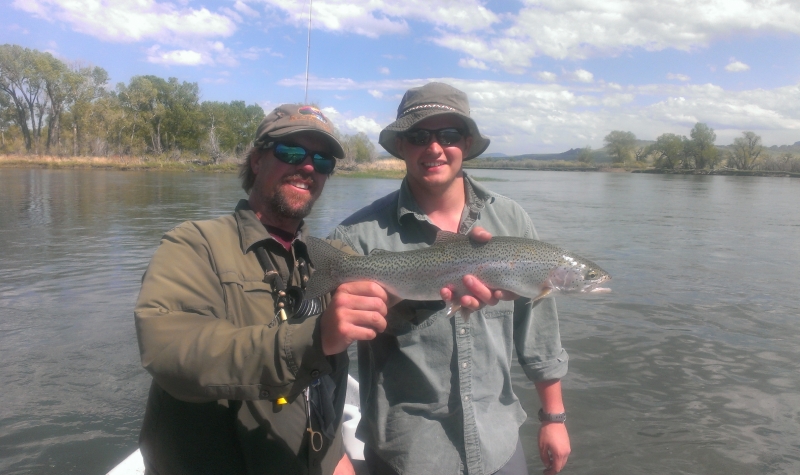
(689, 366)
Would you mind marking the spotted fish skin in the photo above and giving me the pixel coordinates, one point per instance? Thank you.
(527, 267)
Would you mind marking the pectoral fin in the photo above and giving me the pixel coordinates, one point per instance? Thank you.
(452, 308)
(542, 295)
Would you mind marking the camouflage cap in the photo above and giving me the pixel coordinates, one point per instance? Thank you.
(434, 98)
(289, 119)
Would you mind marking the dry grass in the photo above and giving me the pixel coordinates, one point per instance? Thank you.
(116, 162)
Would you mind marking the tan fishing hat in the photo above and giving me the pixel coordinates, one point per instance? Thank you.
(434, 98)
(288, 119)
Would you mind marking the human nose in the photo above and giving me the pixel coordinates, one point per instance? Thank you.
(307, 164)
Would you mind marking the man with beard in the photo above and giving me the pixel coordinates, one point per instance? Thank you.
(248, 377)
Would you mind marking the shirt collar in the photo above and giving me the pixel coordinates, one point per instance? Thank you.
(476, 196)
(252, 231)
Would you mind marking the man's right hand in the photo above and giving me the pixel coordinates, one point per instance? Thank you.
(357, 311)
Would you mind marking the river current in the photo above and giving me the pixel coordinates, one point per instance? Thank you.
(690, 366)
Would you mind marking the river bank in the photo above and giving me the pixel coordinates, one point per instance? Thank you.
(384, 168)
(389, 168)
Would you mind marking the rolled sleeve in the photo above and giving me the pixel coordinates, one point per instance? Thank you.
(538, 341)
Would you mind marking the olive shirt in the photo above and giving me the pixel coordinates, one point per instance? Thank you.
(436, 393)
(219, 357)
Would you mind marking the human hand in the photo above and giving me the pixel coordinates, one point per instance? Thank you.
(357, 311)
(479, 295)
(344, 467)
(554, 448)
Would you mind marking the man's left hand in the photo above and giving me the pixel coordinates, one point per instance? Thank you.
(554, 446)
(479, 294)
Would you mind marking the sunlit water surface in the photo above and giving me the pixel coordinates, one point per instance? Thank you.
(690, 366)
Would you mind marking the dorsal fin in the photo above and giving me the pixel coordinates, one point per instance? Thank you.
(443, 237)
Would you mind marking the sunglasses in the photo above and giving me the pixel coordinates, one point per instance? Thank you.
(295, 154)
(445, 137)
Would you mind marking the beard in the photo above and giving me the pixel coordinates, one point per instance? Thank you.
(290, 207)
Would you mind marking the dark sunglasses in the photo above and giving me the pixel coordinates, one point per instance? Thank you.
(445, 137)
(295, 154)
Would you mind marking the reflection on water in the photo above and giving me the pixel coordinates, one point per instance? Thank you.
(689, 366)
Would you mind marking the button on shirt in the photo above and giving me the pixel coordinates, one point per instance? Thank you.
(436, 392)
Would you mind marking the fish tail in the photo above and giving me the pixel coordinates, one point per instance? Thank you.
(325, 259)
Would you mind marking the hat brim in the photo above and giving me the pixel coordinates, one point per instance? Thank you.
(389, 134)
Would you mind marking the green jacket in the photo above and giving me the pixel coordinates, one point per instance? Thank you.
(220, 358)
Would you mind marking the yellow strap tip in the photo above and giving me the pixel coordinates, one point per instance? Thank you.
(281, 401)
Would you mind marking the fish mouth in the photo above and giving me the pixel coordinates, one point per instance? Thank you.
(594, 287)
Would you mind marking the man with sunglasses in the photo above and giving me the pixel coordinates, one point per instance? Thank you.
(248, 377)
(436, 392)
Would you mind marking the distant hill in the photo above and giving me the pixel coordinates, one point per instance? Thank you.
(599, 155)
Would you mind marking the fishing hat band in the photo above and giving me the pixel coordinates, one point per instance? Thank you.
(434, 98)
(289, 119)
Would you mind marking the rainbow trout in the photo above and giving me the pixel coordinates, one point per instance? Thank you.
(526, 267)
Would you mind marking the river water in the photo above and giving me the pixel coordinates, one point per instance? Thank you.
(690, 366)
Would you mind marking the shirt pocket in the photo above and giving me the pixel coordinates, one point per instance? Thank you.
(504, 308)
(247, 302)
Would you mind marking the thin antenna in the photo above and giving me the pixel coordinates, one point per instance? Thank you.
(308, 51)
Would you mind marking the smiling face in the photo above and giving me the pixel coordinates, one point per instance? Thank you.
(434, 167)
(284, 194)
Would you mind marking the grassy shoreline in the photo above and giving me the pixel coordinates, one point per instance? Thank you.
(387, 168)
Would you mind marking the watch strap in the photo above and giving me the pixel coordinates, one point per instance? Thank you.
(547, 417)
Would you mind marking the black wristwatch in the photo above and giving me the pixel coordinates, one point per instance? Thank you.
(558, 417)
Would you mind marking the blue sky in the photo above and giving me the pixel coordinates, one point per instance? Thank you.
(542, 75)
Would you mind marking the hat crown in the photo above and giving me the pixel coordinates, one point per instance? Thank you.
(434, 96)
(288, 119)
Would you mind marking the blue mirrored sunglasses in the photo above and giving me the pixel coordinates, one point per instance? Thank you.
(295, 154)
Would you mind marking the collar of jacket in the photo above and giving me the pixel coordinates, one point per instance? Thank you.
(477, 197)
(252, 231)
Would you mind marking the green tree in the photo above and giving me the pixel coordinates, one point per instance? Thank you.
(668, 151)
(87, 87)
(620, 145)
(230, 127)
(746, 151)
(22, 82)
(358, 148)
(585, 155)
(701, 149)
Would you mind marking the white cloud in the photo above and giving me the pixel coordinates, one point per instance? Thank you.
(546, 76)
(373, 18)
(244, 9)
(209, 53)
(132, 20)
(472, 63)
(581, 75)
(736, 67)
(579, 29)
(252, 53)
(176, 57)
(533, 117)
(384, 70)
(363, 124)
(678, 77)
(375, 93)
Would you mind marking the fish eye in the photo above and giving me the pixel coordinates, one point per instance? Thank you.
(591, 274)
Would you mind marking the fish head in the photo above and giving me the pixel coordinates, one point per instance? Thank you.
(576, 274)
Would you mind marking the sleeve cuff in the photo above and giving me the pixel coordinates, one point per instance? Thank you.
(555, 368)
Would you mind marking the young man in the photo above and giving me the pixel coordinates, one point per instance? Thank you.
(246, 380)
(436, 391)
